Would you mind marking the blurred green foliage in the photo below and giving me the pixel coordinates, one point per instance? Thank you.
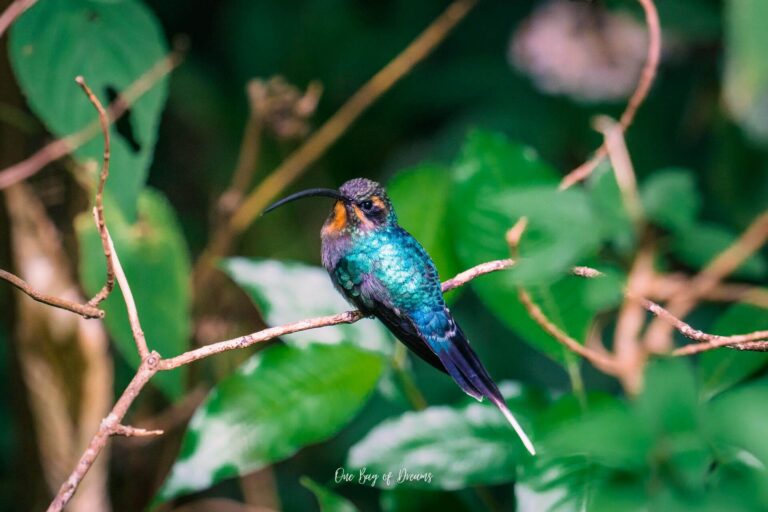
(466, 145)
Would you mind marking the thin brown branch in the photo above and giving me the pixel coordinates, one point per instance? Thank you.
(614, 142)
(325, 136)
(130, 304)
(153, 363)
(754, 341)
(659, 333)
(145, 372)
(647, 76)
(709, 341)
(98, 211)
(64, 146)
(665, 286)
(630, 321)
(12, 12)
(600, 360)
(128, 431)
(479, 270)
(84, 310)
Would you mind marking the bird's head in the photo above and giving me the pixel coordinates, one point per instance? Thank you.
(361, 205)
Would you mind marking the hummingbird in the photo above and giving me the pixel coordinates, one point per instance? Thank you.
(382, 270)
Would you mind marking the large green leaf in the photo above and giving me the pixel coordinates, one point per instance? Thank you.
(281, 399)
(421, 197)
(670, 198)
(110, 43)
(599, 453)
(328, 501)
(287, 292)
(155, 258)
(496, 183)
(444, 447)
(746, 69)
(610, 213)
(721, 369)
(560, 233)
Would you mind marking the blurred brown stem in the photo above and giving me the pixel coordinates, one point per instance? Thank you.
(658, 336)
(647, 76)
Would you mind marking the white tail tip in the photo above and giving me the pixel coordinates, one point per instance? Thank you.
(520, 432)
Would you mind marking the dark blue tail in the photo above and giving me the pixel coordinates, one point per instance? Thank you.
(461, 362)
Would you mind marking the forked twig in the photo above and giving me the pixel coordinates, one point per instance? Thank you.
(647, 75)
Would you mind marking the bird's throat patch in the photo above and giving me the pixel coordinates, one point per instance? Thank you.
(339, 221)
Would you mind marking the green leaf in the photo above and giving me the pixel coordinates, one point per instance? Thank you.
(738, 425)
(701, 243)
(110, 44)
(670, 199)
(560, 233)
(444, 447)
(669, 402)
(155, 258)
(489, 162)
(745, 80)
(721, 369)
(421, 197)
(280, 400)
(497, 182)
(582, 443)
(610, 214)
(329, 501)
(407, 499)
(605, 454)
(287, 292)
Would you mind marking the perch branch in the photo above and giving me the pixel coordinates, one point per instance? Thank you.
(64, 146)
(647, 76)
(153, 363)
(98, 210)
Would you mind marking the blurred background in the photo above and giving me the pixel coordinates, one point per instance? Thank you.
(515, 85)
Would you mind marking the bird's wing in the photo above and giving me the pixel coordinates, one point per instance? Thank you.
(374, 299)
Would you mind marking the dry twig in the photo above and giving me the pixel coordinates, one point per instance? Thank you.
(98, 210)
(659, 333)
(84, 310)
(647, 76)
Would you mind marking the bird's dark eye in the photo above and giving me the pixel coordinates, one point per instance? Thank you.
(366, 205)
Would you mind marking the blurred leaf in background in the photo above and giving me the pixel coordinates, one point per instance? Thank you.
(110, 44)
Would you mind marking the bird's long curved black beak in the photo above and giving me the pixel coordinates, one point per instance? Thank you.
(312, 192)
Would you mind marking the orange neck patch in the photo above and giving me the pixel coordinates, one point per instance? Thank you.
(338, 222)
